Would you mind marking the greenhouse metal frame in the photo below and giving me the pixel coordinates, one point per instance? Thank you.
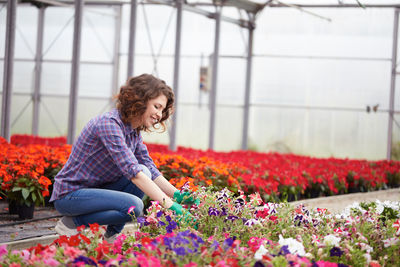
(251, 8)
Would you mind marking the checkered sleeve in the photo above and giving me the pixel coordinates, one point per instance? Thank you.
(112, 136)
(144, 158)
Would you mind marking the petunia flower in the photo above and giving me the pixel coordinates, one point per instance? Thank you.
(396, 225)
(213, 211)
(294, 246)
(315, 239)
(231, 218)
(260, 252)
(331, 240)
(3, 250)
(51, 262)
(252, 222)
(390, 242)
(131, 210)
(326, 264)
(85, 260)
(180, 251)
(335, 251)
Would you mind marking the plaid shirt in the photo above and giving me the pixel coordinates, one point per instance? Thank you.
(106, 150)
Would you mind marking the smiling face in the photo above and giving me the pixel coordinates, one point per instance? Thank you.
(154, 109)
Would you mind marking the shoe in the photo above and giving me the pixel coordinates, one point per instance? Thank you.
(110, 239)
(62, 229)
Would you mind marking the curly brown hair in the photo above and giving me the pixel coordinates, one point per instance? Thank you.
(136, 92)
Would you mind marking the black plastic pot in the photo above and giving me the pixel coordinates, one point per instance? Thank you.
(12, 207)
(24, 211)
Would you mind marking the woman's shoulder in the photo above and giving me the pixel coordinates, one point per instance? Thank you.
(112, 115)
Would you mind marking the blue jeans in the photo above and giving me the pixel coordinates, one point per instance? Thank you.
(107, 205)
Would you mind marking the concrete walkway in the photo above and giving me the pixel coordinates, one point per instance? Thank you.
(45, 234)
(336, 204)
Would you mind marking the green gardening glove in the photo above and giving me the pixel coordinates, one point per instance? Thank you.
(183, 214)
(177, 208)
(185, 198)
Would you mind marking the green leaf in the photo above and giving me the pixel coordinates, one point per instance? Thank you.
(16, 189)
(25, 193)
(34, 197)
(32, 188)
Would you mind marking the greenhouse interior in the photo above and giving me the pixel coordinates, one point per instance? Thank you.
(314, 78)
(281, 146)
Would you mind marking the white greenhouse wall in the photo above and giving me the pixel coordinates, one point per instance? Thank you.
(311, 81)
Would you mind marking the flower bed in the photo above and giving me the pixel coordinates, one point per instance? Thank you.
(286, 176)
(275, 176)
(233, 230)
(24, 140)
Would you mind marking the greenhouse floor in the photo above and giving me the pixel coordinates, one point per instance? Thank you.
(19, 234)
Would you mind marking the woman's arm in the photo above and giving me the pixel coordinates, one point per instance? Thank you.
(153, 190)
(165, 186)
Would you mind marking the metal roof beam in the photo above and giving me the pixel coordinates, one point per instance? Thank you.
(249, 6)
(271, 4)
(208, 14)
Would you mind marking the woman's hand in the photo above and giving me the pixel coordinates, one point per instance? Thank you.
(183, 214)
(185, 198)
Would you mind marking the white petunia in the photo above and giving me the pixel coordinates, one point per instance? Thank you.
(260, 252)
(379, 207)
(294, 246)
(331, 240)
(390, 242)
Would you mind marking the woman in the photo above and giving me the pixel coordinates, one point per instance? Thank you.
(109, 169)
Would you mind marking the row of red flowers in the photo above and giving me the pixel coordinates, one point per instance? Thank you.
(286, 175)
(273, 175)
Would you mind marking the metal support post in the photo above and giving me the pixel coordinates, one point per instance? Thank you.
(392, 83)
(214, 77)
(38, 71)
(8, 69)
(132, 37)
(117, 41)
(178, 34)
(76, 49)
(247, 92)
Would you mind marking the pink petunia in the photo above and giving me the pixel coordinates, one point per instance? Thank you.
(51, 262)
(72, 252)
(3, 250)
(25, 254)
(222, 263)
(131, 209)
(326, 264)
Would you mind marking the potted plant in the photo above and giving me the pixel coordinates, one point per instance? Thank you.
(24, 193)
(22, 180)
(28, 192)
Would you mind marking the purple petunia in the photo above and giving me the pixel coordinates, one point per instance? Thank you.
(180, 251)
(142, 221)
(335, 251)
(213, 211)
(284, 250)
(86, 260)
(229, 242)
(215, 245)
(171, 226)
